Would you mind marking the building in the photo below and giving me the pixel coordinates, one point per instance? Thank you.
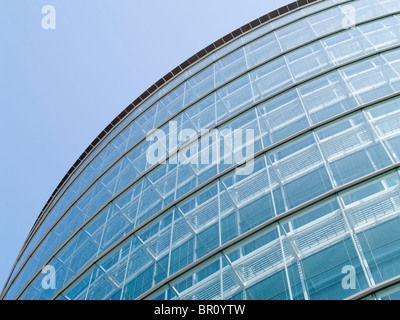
(305, 208)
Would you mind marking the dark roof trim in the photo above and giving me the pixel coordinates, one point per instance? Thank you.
(184, 65)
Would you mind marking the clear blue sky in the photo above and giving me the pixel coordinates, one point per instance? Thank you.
(60, 88)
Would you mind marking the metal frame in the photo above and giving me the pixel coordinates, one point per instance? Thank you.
(379, 287)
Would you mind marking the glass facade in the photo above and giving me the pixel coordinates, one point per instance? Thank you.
(322, 102)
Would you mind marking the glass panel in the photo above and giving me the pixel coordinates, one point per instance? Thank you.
(307, 61)
(294, 34)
